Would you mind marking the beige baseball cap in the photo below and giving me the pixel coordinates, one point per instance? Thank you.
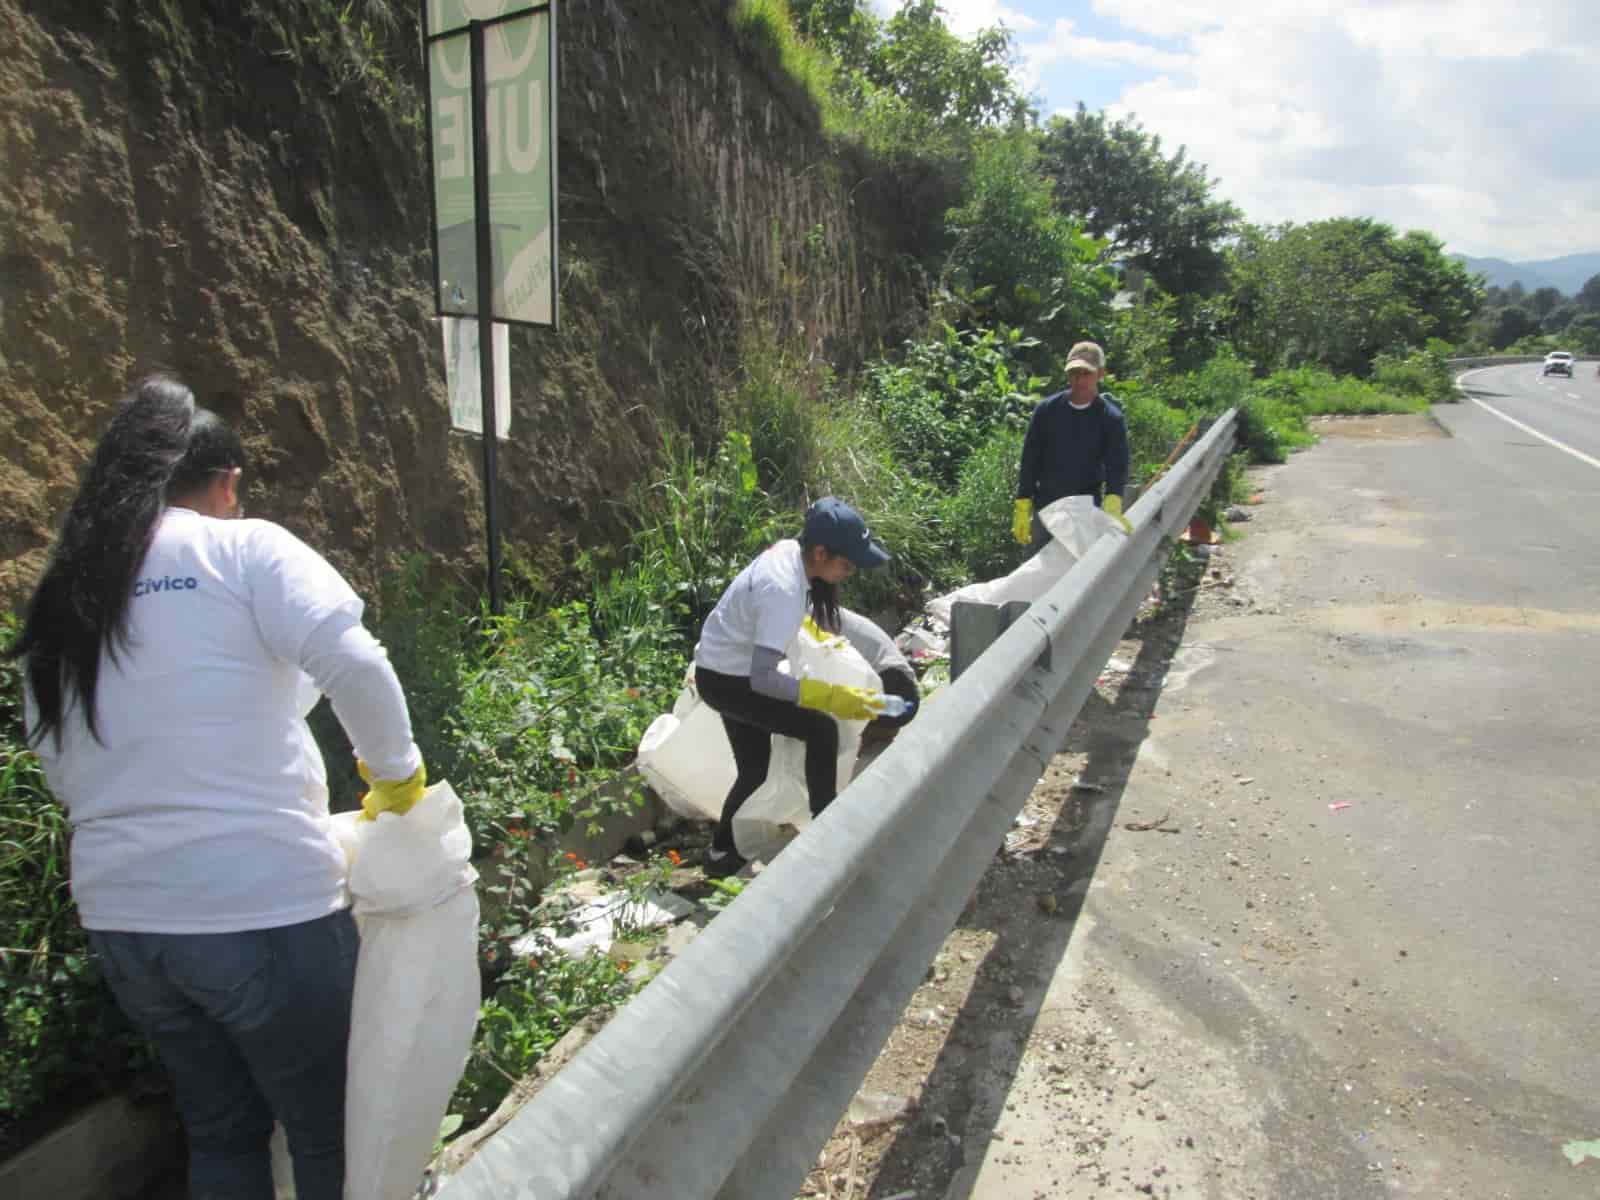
(1086, 356)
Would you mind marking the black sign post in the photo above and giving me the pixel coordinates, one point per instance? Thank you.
(485, 235)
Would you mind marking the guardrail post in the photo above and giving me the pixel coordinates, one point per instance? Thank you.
(974, 626)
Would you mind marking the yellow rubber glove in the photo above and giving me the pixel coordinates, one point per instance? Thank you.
(1112, 507)
(1022, 521)
(390, 795)
(832, 640)
(840, 700)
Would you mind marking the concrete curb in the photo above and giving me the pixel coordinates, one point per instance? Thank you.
(109, 1151)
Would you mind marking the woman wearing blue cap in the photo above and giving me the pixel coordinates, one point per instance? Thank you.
(746, 637)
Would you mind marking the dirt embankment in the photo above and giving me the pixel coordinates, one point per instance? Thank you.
(241, 198)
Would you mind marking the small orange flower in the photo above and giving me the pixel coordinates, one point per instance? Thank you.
(633, 693)
(677, 859)
(570, 856)
(533, 963)
(579, 863)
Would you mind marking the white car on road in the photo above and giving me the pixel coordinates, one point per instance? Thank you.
(1558, 362)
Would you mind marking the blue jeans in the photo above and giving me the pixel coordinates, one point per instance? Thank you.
(251, 1026)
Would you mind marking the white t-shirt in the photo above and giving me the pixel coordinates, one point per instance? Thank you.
(205, 810)
(764, 606)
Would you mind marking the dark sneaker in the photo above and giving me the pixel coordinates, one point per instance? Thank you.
(719, 864)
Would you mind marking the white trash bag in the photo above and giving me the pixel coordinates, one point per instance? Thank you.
(1074, 524)
(684, 755)
(416, 992)
(759, 825)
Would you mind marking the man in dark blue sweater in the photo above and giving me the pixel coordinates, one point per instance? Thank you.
(1077, 444)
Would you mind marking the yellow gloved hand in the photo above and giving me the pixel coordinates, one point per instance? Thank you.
(1022, 521)
(1112, 507)
(390, 795)
(840, 700)
(822, 635)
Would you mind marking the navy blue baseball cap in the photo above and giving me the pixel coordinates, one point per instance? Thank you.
(833, 524)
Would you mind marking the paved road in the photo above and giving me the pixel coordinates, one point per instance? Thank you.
(1565, 410)
(1397, 996)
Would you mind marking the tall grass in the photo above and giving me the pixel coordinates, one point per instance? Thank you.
(768, 23)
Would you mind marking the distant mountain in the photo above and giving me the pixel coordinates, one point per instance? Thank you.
(1566, 274)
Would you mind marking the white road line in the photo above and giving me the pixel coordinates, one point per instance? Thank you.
(1543, 437)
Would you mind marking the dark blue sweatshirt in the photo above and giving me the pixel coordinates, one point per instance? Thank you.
(1073, 451)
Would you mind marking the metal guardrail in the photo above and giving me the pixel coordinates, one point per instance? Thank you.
(728, 1073)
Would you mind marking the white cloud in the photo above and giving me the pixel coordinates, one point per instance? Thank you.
(1468, 118)
(1159, 18)
(1064, 44)
(965, 17)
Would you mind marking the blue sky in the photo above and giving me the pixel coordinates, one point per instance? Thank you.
(1472, 119)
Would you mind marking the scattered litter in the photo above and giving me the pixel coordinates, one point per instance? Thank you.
(1119, 666)
(1087, 787)
(1338, 804)
(1576, 1152)
(1243, 779)
(1258, 498)
(878, 1108)
(1159, 825)
(598, 922)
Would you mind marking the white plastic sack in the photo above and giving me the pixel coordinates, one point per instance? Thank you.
(1074, 524)
(684, 755)
(416, 993)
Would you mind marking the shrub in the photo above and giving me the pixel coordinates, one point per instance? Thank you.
(978, 514)
(537, 1000)
(948, 393)
(63, 1033)
(1155, 428)
(1422, 373)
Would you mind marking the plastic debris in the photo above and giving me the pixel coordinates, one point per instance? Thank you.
(1338, 805)
(1576, 1152)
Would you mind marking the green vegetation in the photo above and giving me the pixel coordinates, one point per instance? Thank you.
(1034, 229)
(62, 1033)
(1513, 320)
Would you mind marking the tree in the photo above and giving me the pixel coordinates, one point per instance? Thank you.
(1588, 297)
(1560, 317)
(1156, 210)
(1544, 300)
(1584, 333)
(1016, 259)
(1336, 293)
(951, 81)
(843, 28)
(1513, 324)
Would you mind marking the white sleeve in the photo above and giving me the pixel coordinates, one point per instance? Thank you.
(292, 588)
(780, 611)
(352, 669)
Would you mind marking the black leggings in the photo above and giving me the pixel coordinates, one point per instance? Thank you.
(750, 720)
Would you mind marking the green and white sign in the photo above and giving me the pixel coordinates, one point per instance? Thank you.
(519, 61)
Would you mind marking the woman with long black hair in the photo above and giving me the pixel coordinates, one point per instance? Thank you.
(171, 652)
(746, 637)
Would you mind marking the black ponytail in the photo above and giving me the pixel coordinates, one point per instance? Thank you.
(158, 445)
(824, 596)
(825, 605)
